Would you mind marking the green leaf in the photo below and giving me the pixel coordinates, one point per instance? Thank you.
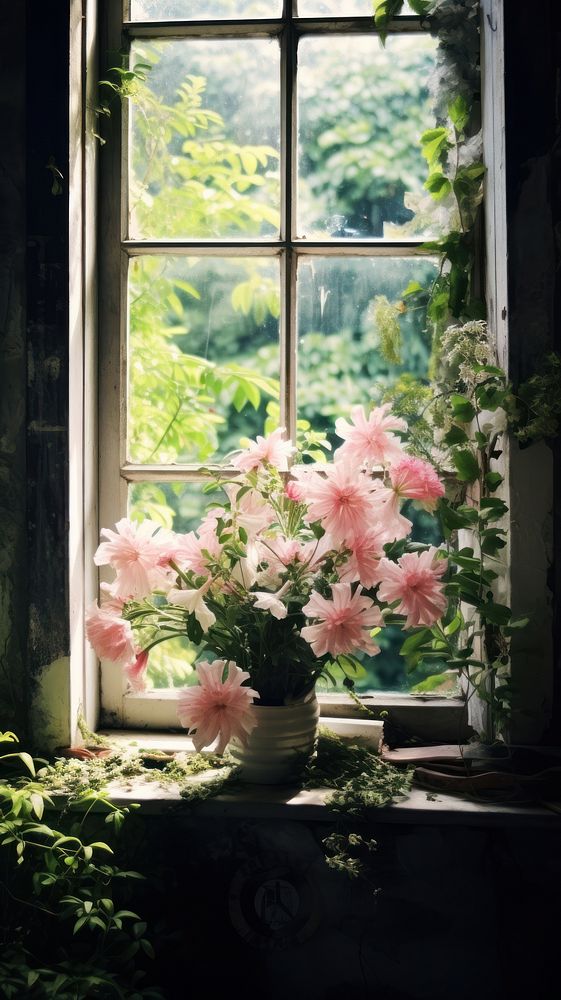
(466, 562)
(491, 541)
(412, 288)
(147, 948)
(438, 185)
(490, 396)
(456, 435)
(384, 11)
(493, 508)
(459, 283)
(466, 465)
(493, 480)
(434, 143)
(455, 624)
(453, 518)
(186, 287)
(497, 614)
(458, 111)
(516, 623)
(420, 7)
(462, 409)
(415, 641)
(431, 683)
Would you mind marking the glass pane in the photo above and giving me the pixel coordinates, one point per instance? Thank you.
(203, 355)
(177, 506)
(180, 507)
(351, 352)
(201, 10)
(340, 8)
(204, 148)
(344, 353)
(361, 172)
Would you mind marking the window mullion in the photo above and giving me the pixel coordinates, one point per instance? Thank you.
(288, 222)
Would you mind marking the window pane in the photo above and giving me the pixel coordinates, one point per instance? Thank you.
(340, 8)
(204, 149)
(361, 171)
(201, 10)
(349, 352)
(203, 355)
(178, 506)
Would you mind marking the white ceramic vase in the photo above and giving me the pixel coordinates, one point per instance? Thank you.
(281, 743)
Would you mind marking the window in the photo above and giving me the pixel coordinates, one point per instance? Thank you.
(261, 198)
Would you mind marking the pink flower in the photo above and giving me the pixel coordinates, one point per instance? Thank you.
(394, 523)
(218, 707)
(187, 550)
(341, 498)
(272, 603)
(369, 440)
(136, 671)
(193, 602)
(271, 450)
(109, 634)
(345, 622)
(251, 512)
(136, 552)
(415, 582)
(364, 560)
(416, 480)
(293, 491)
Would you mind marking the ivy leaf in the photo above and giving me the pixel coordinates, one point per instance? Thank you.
(456, 435)
(463, 410)
(490, 396)
(466, 465)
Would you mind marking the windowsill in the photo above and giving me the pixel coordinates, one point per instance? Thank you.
(281, 802)
(428, 718)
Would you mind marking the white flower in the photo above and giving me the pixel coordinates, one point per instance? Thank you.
(272, 602)
(193, 601)
(244, 571)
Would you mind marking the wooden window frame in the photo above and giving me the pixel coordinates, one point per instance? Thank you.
(100, 353)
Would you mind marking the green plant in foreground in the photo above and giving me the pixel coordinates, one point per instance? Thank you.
(63, 930)
(357, 778)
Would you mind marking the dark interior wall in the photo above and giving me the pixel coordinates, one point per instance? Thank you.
(34, 304)
(33, 350)
(533, 160)
(13, 367)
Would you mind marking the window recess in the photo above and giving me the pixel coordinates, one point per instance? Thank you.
(259, 193)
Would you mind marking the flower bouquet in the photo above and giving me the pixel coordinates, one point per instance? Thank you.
(297, 569)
